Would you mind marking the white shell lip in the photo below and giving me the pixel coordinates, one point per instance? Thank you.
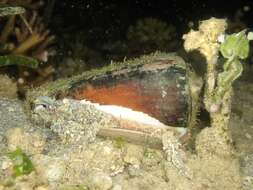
(127, 113)
(136, 116)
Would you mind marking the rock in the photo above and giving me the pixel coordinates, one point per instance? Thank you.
(134, 170)
(116, 187)
(8, 88)
(24, 186)
(133, 154)
(13, 112)
(12, 115)
(25, 182)
(176, 156)
(99, 181)
(6, 164)
(30, 142)
(74, 122)
(151, 158)
(41, 188)
(214, 141)
(49, 168)
(146, 181)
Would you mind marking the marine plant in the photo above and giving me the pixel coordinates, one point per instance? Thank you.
(25, 40)
(14, 59)
(22, 163)
(24, 32)
(234, 49)
(212, 42)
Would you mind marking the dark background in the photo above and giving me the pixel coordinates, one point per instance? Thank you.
(110, 19)
(92, 33)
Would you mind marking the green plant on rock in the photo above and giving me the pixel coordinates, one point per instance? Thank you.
(210, 40)
(234, 49)
(22, 163)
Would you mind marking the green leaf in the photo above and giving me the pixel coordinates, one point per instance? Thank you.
(18, 60)
(235, 45)
(6, 11)
(22, 163)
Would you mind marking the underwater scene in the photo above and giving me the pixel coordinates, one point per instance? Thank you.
(126, 95)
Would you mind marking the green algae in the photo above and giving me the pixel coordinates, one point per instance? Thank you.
(18, 60)
(6, 11)
(22, 163)
(119, 143)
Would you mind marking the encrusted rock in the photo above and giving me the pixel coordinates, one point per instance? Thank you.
(51, 169)
(74, 122)
(133, 154)
(116, 187)
(30, 142)
(8, 88)
(214, 141)
(99, 181)
(134, 170)
(176, 156)
(42, 188)
(151, 158)
(12, 115)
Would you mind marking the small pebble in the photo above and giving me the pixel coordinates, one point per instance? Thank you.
(6, 164)
(134, 170)
(11, 109)
(99, 181)
(41, 188)
(248, 136)
(117, 187)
